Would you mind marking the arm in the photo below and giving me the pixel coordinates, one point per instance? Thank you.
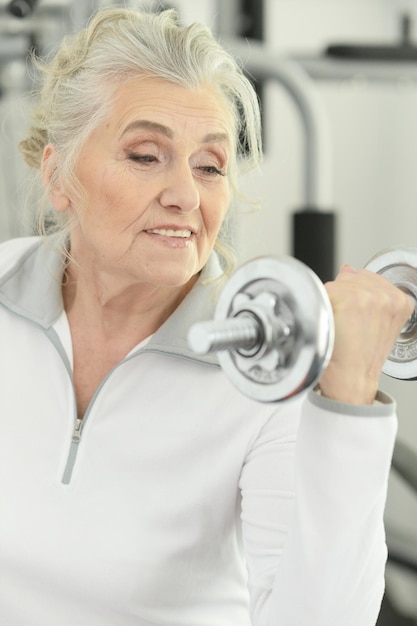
(329, 567)
(318, 558)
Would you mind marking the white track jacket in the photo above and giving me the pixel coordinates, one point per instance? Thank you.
(176, 501)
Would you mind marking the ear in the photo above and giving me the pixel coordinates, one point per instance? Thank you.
(57, 195)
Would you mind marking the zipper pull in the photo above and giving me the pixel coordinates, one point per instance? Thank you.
(76, 434)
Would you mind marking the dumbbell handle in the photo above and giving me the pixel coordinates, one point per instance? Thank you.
(234, 333)
(250, 332)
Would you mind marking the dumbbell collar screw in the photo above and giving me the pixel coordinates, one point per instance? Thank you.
(275, 327)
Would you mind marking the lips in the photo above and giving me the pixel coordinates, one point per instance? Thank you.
(183, 233)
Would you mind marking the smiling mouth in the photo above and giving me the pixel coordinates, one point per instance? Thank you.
(170, 232)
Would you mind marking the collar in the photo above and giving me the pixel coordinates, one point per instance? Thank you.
(31, 270)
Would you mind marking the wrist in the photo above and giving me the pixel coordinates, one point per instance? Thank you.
(358, 390)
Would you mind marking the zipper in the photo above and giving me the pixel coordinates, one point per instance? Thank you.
(76, 435)
(52, 334)
(73, 451)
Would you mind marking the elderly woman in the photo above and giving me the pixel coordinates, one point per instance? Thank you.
(138, 487)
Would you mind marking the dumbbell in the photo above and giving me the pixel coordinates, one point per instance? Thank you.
(399, 266)
(273, 325)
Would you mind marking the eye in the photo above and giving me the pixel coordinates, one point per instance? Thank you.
(211, 170)
(210, 162)
(142, 158)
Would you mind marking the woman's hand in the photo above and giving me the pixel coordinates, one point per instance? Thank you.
(369, 313)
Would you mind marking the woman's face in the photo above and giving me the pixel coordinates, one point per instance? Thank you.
(155, 176)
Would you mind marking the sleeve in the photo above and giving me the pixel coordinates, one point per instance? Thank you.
(312, 514)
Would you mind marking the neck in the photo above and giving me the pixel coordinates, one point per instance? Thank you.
(115, 308)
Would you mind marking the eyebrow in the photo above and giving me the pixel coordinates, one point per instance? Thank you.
(148, 125)
(165, 130)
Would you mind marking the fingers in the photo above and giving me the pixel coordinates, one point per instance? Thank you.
(347, 269)
(369, 313)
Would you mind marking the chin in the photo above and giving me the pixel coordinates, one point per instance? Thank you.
(171, 279)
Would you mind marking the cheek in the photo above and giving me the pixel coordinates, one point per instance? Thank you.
(126, 196)
(110, 204)
(217, 214)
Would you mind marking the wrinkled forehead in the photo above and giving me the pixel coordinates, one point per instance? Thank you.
(149, 102)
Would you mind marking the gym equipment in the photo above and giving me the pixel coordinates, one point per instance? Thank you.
(399, 266)
(22, 8)
(273, 325)
(272, 328)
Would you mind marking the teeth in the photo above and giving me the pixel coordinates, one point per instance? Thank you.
(169, 232)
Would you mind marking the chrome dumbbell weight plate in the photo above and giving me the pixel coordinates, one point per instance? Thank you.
(399, 266)
(273, 329)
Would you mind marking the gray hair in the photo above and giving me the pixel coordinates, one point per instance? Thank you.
(81, 79)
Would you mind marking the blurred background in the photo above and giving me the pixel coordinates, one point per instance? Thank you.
(337, 80)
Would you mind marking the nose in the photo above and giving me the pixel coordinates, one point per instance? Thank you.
(180, 192)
